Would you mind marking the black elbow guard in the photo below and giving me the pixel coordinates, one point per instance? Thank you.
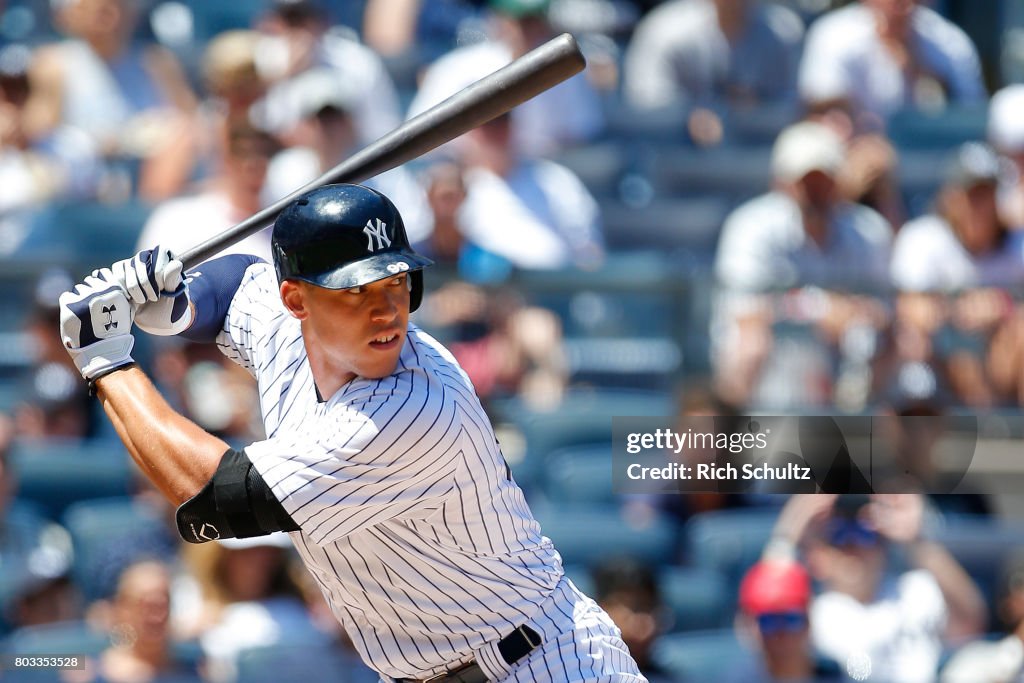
(235, 503)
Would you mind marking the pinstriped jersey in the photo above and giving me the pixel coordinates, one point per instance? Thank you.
(410, 520)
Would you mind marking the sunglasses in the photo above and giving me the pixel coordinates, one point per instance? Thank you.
(771, 623)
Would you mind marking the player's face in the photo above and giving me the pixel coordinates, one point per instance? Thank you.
(359, 331)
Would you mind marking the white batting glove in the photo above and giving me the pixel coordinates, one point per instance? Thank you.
(95, 326)
(153, 282)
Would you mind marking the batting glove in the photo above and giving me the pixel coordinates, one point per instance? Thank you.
(153, 282)
(95, 326)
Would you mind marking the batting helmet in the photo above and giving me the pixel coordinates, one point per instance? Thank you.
(341, 236)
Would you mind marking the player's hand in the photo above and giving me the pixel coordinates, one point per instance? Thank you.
(148, 276)
(153, 282)
(95, 325)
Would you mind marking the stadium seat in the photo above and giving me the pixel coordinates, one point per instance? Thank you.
(588, 535)
(95, 233)
(691, 225)
(736, 173)
(728, 541)
(275, 663)
(699, 657)
(110, 534)
(66, 637)
(583, 417)
(580, 474)
(982, 546)
(54, 474)
(911, 129)
(700, 598)
(599, 165)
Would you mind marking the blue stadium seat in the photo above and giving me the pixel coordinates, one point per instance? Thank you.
(599, 166)
(691, 225)
(983, 546)
(54, 474)
(66, 637)
(95, 234)
(737, 173)
(587, 535)
(275, 663)
(701, 656)
(583, 417)
(700, 598)
(728, 541)
(110, 534)
(580, 474)
(911, 129)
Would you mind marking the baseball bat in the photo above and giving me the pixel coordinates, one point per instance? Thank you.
(488, 98)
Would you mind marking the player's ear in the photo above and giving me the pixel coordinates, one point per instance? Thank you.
(293, 297)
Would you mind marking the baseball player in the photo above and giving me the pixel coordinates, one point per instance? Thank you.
(378, 459)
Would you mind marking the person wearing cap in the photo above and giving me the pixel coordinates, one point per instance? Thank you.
(325, 136)
(566, 114)
(223, 200)
(1006, 134)
(954, 269)
(297, 37)
(774, 599)
(878, 57)
(878, 622)
(799, 235)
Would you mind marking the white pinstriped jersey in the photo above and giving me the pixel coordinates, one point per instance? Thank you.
(411, 524)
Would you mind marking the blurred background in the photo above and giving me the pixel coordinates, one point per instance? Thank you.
(775, 206)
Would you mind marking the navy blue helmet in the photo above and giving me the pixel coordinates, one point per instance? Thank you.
(341, 236)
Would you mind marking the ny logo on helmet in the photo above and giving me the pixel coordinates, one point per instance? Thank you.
(376, 235)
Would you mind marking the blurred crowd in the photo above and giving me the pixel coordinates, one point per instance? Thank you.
(741, 205)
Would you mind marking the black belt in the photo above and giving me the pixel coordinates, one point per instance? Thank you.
(512, 647)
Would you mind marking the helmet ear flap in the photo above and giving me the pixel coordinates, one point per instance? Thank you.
(415, 289)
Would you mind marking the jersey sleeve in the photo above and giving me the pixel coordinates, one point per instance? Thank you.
(253, 318)
(391, 452)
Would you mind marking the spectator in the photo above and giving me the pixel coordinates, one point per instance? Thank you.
(532, 212)
(881, 625)
(229, 198)
(141, 649)
(711, 53)
(299, 38)
(629, 592)
(326, 136)
(1003, 660)
(800, 235)
(1006, 134)
(775, 595)
(132, 100)
(566, 114)
(34, 171)
(881, 56)
(246, 599)
(963, 257)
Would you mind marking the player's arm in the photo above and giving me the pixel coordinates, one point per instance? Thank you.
(166, 303)
(215, 485)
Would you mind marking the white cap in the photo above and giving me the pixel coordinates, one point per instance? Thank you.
(806, 147)
(278, 539)
(1006, 119)
(318, 88)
